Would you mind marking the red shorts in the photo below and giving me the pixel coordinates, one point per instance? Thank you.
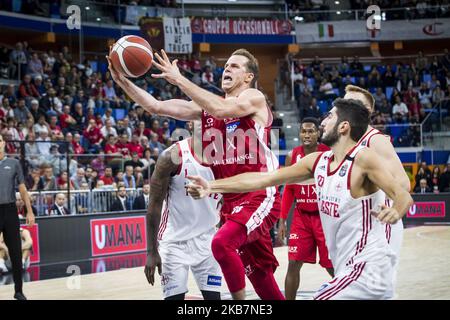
(258, 212)
(305, 237)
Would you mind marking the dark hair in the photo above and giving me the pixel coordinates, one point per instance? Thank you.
(310, 120)
(355, 113)
(251, 65)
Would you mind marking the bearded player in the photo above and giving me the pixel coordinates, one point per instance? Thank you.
(306, 234)
(351, 186)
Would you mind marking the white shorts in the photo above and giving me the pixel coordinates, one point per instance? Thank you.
(395, 238)
(361, 281)
(196, 254)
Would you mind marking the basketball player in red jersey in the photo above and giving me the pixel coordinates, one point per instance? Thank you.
(234, 141)
(306, 234)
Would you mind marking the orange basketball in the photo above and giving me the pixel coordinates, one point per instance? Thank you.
(132, 56)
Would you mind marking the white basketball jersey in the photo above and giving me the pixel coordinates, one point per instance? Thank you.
(352, 235)
(183, 217)
(394, 232)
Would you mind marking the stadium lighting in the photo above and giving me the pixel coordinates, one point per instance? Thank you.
(288, 126)
(98, 19)
(299, 18)
(338, 12)
(87, 8)
(336, 2)
(383, 16)
(281, 114)
(295, 139)
(232, 0)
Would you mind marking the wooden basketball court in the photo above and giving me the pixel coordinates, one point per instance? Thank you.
(424, 273)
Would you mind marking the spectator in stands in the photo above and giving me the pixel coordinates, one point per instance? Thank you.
(35, 111)
(438, 95)
(144, 142)
(124, 145)
(20, 204)
(128, 178)
(121, 203)
(108, 116)
(425, 96)
(149, 164)
(138, 176)
(67, 122)
(409, 95)
(135, 145)
(433, 83)
(63, 181)
(79, 178)
(47, 181)
(108, 129)
(399, 111)
(19, 60)
(207, 76)
(357, 67)
(379, 96)
(55, 130)
(93, 137)
(79, 117)
(109, 94)
(414, 108)
(33, 178)
(41, 125)
(35, 67)
(141, 202)
(124, 127)
(59, 208)
(76, 144)
(141, 115)
(423, 187)
(27, 90)
(99, 163)
(142, 131)
(44, 143)
(6, 111)
(51, 102)
(423, 173)
(435, 178)
(313, 110)
(421, 62)
(444, 181)
(83, 200)
(135, 161)
(21, 113)
(154, 143)
(108, 178)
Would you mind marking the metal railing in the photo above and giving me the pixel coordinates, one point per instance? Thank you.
(81, 201)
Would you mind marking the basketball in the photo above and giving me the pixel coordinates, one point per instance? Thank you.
(132, 56)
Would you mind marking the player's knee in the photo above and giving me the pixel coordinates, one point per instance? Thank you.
(219, 248)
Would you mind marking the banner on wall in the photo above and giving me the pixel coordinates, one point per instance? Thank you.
(118, 235)
(177, 35)
(421, 29)
(427, 209)
(153, 31)
(35, 256)
(241, 26)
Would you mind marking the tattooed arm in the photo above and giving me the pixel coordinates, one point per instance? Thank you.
(166, 167)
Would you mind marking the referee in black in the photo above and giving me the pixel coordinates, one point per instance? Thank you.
(11, 175)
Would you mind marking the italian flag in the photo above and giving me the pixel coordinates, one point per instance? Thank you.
(330, 31)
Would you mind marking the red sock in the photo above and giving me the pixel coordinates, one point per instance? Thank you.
(227, 240)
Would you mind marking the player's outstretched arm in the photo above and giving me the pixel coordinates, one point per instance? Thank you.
(384, 149)
(372, 165)
(165, 167)
(175, 108)
(252, 181)
(248, 102)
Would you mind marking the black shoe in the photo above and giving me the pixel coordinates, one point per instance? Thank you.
(19, 296)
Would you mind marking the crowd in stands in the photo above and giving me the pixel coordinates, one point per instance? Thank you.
(404, 92)
(434, 180)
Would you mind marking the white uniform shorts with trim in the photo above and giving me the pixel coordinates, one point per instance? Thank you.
(361, 281)
(196, 254)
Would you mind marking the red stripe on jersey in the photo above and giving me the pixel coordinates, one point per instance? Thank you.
(180, 154)
(350, 175)
(343, 283)
(315, 163)
(364, 136)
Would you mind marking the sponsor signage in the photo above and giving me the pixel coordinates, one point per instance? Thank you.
(427, 209)
(241, 26)
(118, 235)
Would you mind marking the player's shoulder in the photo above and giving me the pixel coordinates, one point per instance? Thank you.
(364, 156)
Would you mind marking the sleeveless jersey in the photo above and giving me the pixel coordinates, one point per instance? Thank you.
(184, 217)
(305, 194)
(352, 234)
(238, 145)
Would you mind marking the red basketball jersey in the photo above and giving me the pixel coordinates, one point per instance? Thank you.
(237, 145)
(305, 194)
